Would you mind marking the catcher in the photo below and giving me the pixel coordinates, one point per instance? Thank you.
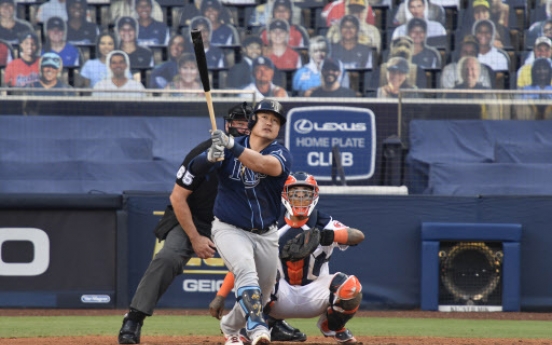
(305, 287)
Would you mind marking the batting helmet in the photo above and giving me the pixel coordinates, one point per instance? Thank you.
(295, 204)
(241, 112)
(268, 105)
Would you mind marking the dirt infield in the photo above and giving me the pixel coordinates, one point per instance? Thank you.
(314, 341)
(205, 340)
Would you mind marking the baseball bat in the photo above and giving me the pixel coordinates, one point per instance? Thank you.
(201, 60)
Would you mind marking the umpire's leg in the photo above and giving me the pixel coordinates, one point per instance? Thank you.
(165, 266)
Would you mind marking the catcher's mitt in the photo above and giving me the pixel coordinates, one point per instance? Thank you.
(301, 245)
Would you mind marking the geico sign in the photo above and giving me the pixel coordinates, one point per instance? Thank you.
(201, 285)
(41, 258)
(304, 126)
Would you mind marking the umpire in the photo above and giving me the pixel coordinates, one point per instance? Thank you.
(186, 229)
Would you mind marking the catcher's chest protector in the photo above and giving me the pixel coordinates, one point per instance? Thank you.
(296, 272)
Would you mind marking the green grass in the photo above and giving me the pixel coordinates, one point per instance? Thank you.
(38, 326)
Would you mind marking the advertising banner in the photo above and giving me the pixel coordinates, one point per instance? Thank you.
(57, 258)
(202, 278)
(313, 132)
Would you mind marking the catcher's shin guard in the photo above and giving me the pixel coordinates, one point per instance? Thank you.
(345, 300)
(250, 300)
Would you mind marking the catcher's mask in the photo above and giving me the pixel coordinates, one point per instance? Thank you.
(240, 112)
(300, 202)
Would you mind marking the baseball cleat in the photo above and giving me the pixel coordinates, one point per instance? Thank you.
(130, 332)
(232, 340)
(283, 331)
(244, 337)
(263, 339)
(345, 336)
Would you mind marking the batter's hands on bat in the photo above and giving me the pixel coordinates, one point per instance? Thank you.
(215, 153)
(221, 138)
(216, 307)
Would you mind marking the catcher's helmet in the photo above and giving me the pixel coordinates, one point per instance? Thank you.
(300, 179)
(241, 112)
(268, 105)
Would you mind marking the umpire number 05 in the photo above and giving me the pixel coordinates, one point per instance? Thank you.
(185, 176)
(41, 257)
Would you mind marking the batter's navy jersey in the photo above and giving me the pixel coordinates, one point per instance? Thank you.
(247, 199)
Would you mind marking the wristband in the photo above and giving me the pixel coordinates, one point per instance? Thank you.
(230, 142)
(237, 149)
(326, 237)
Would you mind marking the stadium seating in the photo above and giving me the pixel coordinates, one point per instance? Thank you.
(522, 15)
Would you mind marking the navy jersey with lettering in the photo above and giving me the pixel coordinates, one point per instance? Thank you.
(247, 199)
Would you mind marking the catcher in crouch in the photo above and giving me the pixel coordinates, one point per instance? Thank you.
(305, 287)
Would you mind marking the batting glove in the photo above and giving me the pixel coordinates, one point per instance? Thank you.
(216, 307)
(215, 153)
(220, 138)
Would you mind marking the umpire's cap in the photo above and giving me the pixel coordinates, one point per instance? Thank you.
(271, 106)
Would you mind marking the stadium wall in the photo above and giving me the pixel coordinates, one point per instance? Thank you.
(99, 247)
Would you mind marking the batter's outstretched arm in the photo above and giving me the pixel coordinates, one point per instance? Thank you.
(203, 246)
(264, 164)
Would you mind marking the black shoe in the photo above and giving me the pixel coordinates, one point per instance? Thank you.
(283, 331)
(130, 332)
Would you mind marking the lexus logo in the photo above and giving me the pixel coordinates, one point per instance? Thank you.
(303, 126)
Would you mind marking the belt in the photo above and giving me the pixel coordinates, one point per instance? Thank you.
(260, 231)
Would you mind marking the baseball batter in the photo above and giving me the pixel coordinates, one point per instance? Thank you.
(306, 288)
(186, 229)
(252, 171)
